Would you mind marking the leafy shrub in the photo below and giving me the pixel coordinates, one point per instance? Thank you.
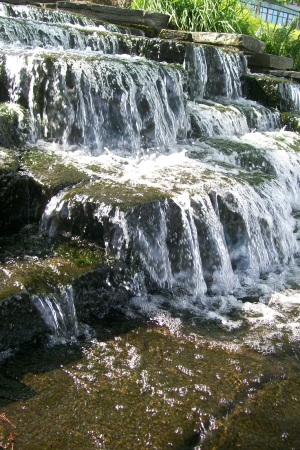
(199, 15)
(282, 41)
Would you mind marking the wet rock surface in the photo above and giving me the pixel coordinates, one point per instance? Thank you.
(272, 92)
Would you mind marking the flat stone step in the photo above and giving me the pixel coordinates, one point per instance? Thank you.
(241, 41)
(175, 35)
(268, 61)
(117, 15)
(286, 74)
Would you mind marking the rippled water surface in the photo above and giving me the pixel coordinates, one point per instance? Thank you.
(159, 384)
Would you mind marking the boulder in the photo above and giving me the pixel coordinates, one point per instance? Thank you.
(241, 41)
(268, 61)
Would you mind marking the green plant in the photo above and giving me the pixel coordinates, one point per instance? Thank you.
(199, 15)
(282, 41)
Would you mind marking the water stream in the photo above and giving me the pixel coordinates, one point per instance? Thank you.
(194, 191)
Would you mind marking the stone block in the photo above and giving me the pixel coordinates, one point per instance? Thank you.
(292, 74)
(241, 41)
(73, 5)
(121, 15)
(175, 35)
(268, 61)
(16, 2)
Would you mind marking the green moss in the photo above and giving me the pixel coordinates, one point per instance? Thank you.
(99, 169)
(253, 178)
(8, 161)
(265, 90)
(116, 194)
(291, 120)
(82, 254)
(66, 261)
(14, 124)
(228, 146)
(50, 169)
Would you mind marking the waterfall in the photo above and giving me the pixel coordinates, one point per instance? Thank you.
(150, 225)
(50, 16)
(291, 94)
(58, 313)
(214, 73)
(193, 188)
(98, 102)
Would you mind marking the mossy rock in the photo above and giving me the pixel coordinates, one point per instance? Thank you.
(20, 322)
(115, 194)
(256, 166)
(96, 292)
(22, 201)
(50, 169)
(269, 91)
(28, 260)
(76, 213)
(41, 276)
(14, 125)
(8, 161)
(291, 121)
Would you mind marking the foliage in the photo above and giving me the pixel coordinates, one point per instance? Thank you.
(199, 15)
(81, 253)
(282, 41)
(227, 16)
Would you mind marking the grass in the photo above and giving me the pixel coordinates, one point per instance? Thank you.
(227, 16)
(282, 41)
(199, 15)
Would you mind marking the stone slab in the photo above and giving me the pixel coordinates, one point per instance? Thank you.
(122, 15)
(241, 41)
(286, 74)
(117, 15)
(176, 35)
(268, 61)
(16, 2)
(292, 74)
(73, 5)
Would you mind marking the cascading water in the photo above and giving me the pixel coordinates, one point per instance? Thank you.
(192, 193)
(58, 312)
